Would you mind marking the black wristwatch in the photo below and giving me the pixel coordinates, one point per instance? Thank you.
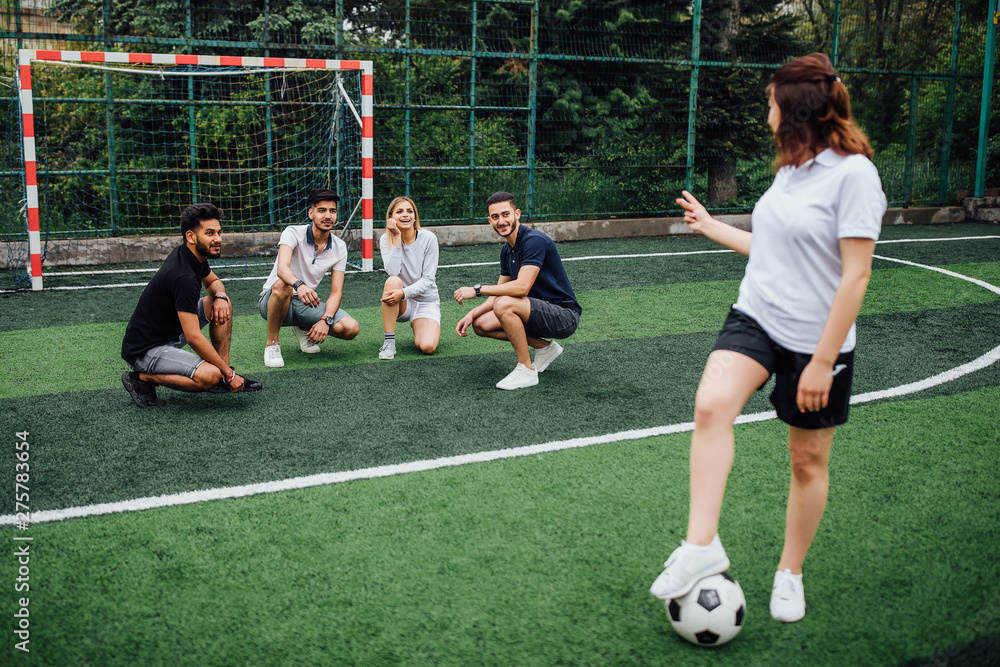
(220, 296)
(329, 321)
(478, 289)
(297, 284)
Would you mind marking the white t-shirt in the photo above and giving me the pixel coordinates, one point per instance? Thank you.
(309, 262)
(795, 266)
(415, 264)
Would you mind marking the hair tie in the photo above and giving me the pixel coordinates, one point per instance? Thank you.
(830, 78)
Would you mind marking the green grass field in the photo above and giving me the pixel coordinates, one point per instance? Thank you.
(434, 520)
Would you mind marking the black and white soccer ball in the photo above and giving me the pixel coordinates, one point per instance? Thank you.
(712, 613)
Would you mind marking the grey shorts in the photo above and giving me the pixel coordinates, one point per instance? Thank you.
(299, 314)
(170, 359)
(550, 320)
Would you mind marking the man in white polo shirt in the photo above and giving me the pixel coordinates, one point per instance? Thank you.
(289, 299)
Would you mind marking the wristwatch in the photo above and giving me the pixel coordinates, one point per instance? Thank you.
(220, 296)
(329, 321)
(478, 289)
(297, 284)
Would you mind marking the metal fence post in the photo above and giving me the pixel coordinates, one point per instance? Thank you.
(835, 34)
(268, 121)
(472, 117)
(406, 113)
(110, 119)
(984, 115)
(693, 94)
(532, 105)
(949, 109)
(911, 140)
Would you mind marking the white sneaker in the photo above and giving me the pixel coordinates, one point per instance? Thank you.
(788, 598)
(687, 565)
(546, 355)
(304, 343)
(520, 377)
(388, 350)
(272, 356)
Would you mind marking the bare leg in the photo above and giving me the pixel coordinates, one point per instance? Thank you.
(810, 450)
(277, 309)
(426, 334)
(219, 334)
(727, 382)
(390, 313)
(513, 312)
(206, 376)
(346, 328)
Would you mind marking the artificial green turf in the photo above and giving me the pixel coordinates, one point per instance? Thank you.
(87, 356)
(544, 560)
(331, 581)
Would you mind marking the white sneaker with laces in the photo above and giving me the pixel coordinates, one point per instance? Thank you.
(388, 350)
(687, 565)
(788, 597)
(272, 356)
(305, 344)
(546, 355)
(520, 377)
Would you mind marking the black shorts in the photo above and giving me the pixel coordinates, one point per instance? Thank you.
(743, 334)
(550, 320)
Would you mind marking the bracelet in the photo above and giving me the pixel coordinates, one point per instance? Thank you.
(220, 296)
(297, 284)
(230, 378)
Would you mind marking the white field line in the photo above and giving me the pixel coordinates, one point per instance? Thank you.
(52, 274)
(321, 479)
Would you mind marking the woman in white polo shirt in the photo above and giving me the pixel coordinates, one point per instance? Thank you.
(810, 256)
(410, 257)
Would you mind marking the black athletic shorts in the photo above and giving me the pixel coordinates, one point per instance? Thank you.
(743, 334)
(550, 320)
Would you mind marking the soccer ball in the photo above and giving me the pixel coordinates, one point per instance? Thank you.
(712, 613)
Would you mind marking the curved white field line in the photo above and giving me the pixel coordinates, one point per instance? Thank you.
(321, 479)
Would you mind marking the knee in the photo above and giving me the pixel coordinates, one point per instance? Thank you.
(711, 408)
(207, 376)
(427, 347)
(503, 305)
(350, 329)
(806, 466)
(393, 283)
(281, 291)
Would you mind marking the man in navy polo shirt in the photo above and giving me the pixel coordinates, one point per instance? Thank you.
(531, 302)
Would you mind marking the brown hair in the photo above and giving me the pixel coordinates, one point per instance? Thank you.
(395, 202)
(815, 112)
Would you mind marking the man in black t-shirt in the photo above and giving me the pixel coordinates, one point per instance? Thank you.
(532, 301)
(171, 314)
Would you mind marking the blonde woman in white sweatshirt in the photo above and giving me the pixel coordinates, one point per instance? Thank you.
(410, 257)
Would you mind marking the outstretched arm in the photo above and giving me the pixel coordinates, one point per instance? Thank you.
(700, 221)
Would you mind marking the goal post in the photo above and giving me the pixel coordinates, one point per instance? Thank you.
(275, 138)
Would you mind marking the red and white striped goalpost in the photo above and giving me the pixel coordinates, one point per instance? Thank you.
(25, 56)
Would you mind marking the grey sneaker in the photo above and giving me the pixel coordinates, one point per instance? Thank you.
(520, 377)
(546, 356)
(788, 598)
(687, 565)
(388, 350)
(305, 344)
(272, 356)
